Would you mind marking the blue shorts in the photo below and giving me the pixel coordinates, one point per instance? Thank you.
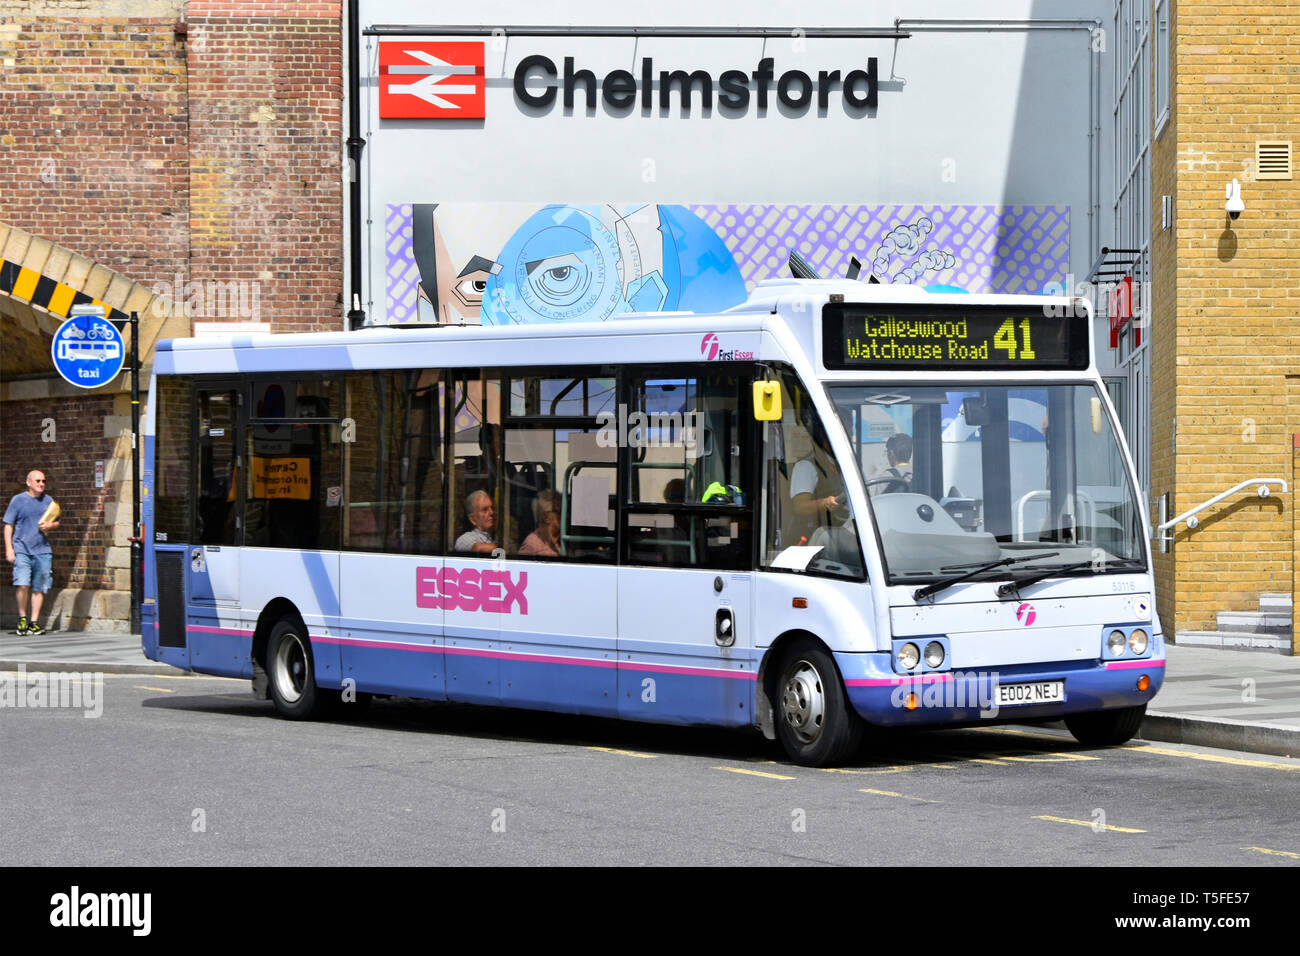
(33, 571)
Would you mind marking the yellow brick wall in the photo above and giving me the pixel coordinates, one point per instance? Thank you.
(1224, 340)
(1164, 342)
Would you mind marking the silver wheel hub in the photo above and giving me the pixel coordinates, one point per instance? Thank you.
(289, 670)
(803, 704)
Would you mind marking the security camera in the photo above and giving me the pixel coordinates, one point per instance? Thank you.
(1234, 205)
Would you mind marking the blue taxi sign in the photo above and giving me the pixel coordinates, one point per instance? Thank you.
(88, 351)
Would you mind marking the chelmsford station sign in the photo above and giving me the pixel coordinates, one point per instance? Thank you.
(426, 79)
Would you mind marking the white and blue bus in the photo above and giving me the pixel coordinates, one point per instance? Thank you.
(837, 505)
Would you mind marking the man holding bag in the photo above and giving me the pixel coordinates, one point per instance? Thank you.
(30, 515)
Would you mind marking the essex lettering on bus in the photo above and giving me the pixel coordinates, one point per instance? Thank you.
(470, 589)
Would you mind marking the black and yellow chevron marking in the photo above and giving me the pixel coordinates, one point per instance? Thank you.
(55, 297)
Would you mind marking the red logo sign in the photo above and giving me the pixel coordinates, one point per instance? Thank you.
(1121, 312)
(1026, 614)
(709, 346)
(431, 79)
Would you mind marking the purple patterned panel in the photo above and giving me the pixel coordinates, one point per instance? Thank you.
(403, 276)
(979, 248)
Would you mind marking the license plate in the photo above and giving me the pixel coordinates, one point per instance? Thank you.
(1042, 692)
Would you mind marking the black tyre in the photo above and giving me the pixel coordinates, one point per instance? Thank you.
(814, 721)
(290, 674)
(1104, 727)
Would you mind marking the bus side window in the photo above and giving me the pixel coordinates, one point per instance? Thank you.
(173, 499)
(689, 500)
(476, 466)
(293, 497)
(392, 462)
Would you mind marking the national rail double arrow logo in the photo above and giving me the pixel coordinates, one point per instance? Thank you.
(431, 80)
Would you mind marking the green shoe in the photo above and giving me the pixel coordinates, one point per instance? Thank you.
(35, 629)
(22, 627)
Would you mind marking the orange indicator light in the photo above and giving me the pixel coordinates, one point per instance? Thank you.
(1144, 682)
(910, 702)
(799, 602)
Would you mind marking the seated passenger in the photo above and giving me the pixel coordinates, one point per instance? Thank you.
(545, 541)
(482, 515)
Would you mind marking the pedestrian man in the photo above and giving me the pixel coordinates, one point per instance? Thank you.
(30, 516)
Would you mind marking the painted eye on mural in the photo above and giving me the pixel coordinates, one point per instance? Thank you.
(560, 280)
(472, 288)
(469, 290)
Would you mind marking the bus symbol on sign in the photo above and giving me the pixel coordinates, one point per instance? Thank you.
(87, 351)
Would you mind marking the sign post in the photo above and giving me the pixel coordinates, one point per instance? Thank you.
(88, 352)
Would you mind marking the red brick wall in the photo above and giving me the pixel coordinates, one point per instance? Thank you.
(93, 134)
(82, 541)
(266, 88)
(213, 155)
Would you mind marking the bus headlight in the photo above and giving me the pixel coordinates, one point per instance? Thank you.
(1115, 642)
(934, 655)
(909, 656)
(1137, 642)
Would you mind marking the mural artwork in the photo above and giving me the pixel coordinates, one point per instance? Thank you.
(517, 263)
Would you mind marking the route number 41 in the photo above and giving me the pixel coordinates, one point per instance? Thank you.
(1005, 338)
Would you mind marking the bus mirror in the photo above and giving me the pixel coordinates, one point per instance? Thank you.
(975, 411)
(1096, 414)
(767, 401)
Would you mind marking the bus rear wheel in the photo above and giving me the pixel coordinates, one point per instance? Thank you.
(1106, 726)
(815, 723)
(290, 672)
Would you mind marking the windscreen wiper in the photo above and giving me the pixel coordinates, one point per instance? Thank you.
(938, 586)
(1014, 586)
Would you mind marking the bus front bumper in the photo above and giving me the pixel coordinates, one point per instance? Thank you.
(1021, 692)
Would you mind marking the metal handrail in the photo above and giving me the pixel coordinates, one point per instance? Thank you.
(1190, 515)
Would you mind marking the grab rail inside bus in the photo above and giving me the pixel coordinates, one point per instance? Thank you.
(566, 497)
(1085, 519)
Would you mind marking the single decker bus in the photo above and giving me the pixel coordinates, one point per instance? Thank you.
(836, 506)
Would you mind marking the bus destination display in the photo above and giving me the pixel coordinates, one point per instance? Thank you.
(978, 337)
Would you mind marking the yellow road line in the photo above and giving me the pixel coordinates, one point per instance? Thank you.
(1046, 757)
(895, 793)
(161, 690)
(622, 753)
(755, 773)
(894, 768)
(1039, 735)
(966, 758)
(1090, 823)
(1261, 849)
(1212, 758)
(240, 680)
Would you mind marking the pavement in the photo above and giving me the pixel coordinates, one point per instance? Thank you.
(1230, 699)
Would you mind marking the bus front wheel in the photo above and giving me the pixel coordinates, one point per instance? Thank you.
(815, 723)
(1106, 726)
(289, 671)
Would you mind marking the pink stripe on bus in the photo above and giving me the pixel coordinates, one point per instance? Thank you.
(898, 681)
(1130, 665)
